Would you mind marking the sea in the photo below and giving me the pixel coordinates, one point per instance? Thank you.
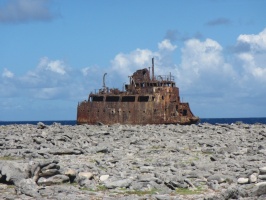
(257, 120)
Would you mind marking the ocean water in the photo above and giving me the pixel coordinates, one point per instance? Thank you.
(204, 120)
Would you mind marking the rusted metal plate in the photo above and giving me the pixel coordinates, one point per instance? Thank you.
(146, 100)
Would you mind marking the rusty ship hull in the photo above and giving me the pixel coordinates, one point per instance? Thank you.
(147, 99)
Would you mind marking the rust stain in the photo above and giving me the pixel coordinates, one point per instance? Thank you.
(147, 99)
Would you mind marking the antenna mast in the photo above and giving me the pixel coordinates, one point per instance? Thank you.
(152, 60)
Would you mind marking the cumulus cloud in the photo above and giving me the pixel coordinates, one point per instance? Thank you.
(253, 58)
(56, 66)
(7, 74)
(218, 22)
(256, 43)
(21, 11)
(126, 64)
(203, 67)
(166, 45)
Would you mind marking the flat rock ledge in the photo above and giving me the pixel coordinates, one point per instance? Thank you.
(161, 162)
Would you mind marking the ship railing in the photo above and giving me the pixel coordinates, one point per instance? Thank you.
(106, 90)
(164, 78)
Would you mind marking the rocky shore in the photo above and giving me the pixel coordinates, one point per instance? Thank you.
(161, 162)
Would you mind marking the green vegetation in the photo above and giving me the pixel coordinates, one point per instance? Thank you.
(138, 192)
(186, 191)
(98, 189)
(9, 158)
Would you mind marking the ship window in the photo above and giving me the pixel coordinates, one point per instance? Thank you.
(184, 112)
(112, 98)
(143, 98)
(128, 99)
(97, 98)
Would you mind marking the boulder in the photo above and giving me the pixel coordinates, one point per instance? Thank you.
(219, 177)
(124, 183)
(57, 179)
(262, 170)
(259, 189)
(262, 177)
(27, 187)
(14, 171)
(48, 172)
(242, 180)
(103, 178)
(253, 178)
(41, 125)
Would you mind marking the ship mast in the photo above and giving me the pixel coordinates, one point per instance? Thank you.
(152, 69)
(104, 87)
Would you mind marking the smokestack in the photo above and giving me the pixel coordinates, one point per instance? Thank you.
(152, 60)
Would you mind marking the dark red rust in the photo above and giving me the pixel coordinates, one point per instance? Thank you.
(145, 100)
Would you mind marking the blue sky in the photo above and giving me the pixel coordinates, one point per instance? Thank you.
(53, 53)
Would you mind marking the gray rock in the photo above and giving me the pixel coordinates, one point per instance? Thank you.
(218, 177)
(41, 125)
(262, 177)
(253, 178)
(214, 185)
(262, 170)
(259, 189)
(57, 179)
(14, 171)
(83, 178)
(242, 180)
(51, 166)
(124, 183)
(153, 156)
(48, 172)
(104, 178)
(47, 162)
(28, 187)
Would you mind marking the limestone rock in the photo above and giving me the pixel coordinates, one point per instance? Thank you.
(253, 178)
(28, 187)
(242, 180)
(259, 189)
(124, 183)
(103, 178)
(262, 170)
(57, 179)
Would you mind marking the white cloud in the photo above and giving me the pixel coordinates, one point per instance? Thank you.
(256, 42)
(21, 11)
(56, 66)
(253, 59)
(202, 62)
(166, 45)
(126, 64)
(8, 74)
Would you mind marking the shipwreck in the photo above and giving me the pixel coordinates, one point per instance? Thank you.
(147, 99)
